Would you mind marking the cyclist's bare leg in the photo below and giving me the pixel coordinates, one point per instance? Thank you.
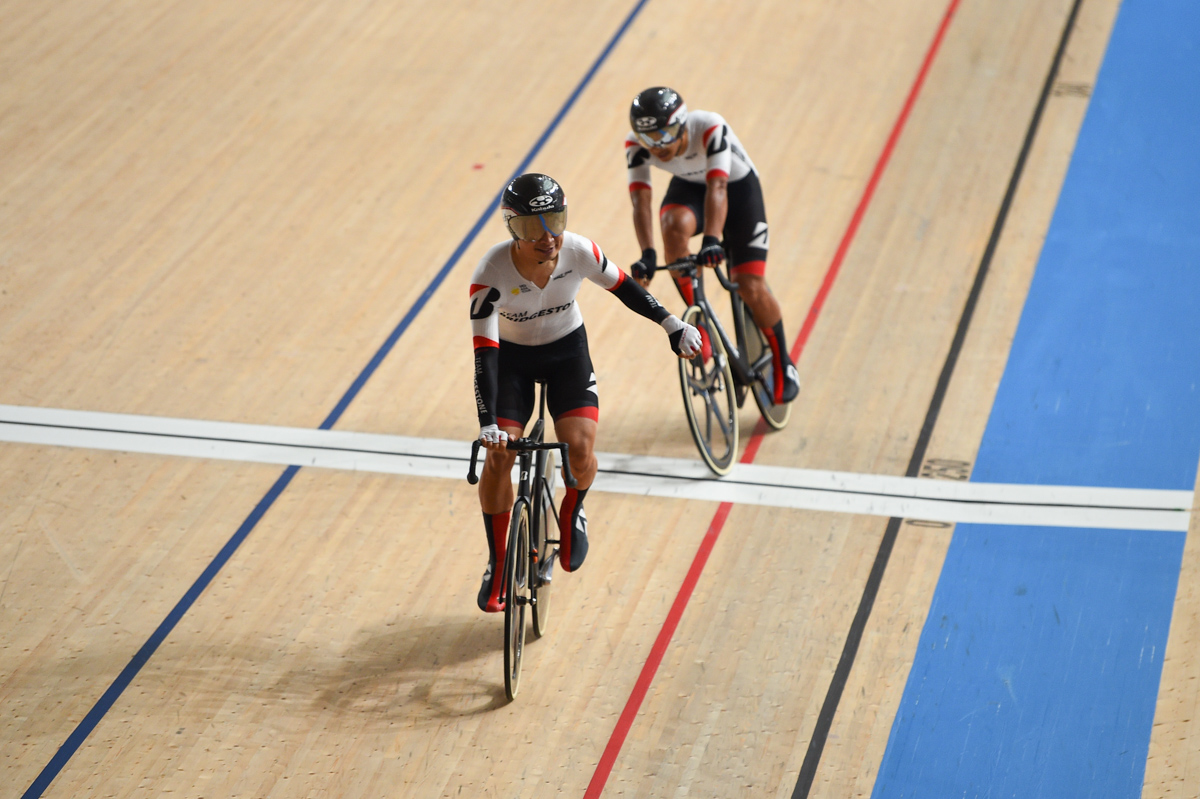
(678, 226)
(579, 433)
(496, 501)
(758, 297)
(495, 481)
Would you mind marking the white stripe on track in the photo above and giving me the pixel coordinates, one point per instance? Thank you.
(810, 489)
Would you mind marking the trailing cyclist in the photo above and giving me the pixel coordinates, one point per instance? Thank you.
(527, 327)
(715, 191)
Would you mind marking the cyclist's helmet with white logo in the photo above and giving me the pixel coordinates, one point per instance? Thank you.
(657, 116)
(533, 204)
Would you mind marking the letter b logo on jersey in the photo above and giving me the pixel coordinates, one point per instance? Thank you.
(482, 307)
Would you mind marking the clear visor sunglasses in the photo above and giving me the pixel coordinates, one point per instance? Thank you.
(534, 226)
(665, 137)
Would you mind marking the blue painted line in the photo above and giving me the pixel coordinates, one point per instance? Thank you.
(388, 344)
(1037, 671)
(123, 680)
(130, 671)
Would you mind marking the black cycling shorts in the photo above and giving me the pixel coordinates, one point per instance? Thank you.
(745, 231)
(565, 365)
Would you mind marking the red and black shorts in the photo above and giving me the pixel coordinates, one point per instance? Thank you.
(745, 231)
(566, 367)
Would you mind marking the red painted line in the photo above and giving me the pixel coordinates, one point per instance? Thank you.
(656, 653)
(640, 688)
(815, 310)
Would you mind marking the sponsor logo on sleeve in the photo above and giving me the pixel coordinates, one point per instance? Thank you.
(483, 303)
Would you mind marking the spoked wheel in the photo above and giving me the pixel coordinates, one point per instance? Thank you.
(544, 529)
(516, 596)
(776, 416)
(708, 396)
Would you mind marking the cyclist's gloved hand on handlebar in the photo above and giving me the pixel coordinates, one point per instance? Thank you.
(711, 252)
(685, 338)
(491, 434)
(644, 268)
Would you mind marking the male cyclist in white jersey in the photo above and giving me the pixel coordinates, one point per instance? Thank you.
(527, 327)
(715, 191)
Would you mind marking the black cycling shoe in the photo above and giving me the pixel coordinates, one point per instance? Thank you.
(791, 384)
(487, 603)
(579, 540)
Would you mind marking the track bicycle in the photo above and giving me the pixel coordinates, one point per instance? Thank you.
(529, 561)
(715, 382)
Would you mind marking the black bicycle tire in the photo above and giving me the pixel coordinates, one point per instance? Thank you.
(516, 581)
(723, 464)
(543, 509)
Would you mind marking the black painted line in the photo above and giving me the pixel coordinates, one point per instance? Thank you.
(841, 674)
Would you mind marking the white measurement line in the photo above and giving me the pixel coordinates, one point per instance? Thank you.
(810, 489)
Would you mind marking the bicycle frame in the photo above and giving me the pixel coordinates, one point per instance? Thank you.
(743, 372)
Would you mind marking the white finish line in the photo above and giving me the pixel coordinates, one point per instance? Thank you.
(809, 489)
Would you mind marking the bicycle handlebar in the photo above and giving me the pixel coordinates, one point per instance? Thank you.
(525, 445)
(688, 262)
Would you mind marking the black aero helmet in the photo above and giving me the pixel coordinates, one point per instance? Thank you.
(657, 116)
(533, 204)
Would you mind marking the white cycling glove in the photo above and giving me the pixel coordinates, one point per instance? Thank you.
(685, 339)
(492, 434)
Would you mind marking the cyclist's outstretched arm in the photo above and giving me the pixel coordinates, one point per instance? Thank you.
(485, 327)
(685, 339)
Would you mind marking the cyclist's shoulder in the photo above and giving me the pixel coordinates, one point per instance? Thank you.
(702, 125)
(700, 122)
(494, 265)
(577, 247)
(705, 117)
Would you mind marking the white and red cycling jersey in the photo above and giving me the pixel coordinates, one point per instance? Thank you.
(713, 148)
(506, 306)
(509, 312)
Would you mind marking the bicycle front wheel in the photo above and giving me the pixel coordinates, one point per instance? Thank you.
(516, 595)
(776, 416)
(708, 396)
(545, 529)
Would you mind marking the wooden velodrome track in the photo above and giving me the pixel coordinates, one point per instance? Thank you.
(221, 210)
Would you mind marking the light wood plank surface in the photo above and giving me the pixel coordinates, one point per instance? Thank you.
(218, 210)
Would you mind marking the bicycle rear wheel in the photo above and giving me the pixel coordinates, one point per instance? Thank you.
(544, 528)
(776, 416)
(708, 397)
(516, 595)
